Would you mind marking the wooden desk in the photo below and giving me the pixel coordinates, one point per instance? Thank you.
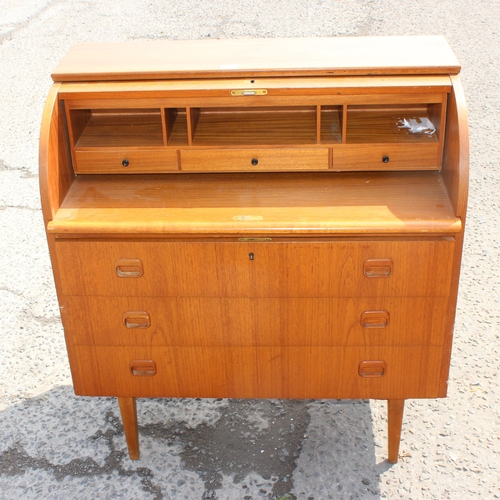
(257, 218)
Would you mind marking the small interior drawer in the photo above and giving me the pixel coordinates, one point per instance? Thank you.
(254, 160)
(124, 161)
(386, 157)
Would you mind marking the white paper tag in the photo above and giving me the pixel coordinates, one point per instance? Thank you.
(417, 125)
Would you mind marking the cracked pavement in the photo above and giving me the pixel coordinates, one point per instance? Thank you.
(56, 445)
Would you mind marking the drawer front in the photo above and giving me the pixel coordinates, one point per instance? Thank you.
(125, 161)
(242, 269)
(254, 160)
(241, 322)
(258, 372)
(386, 157)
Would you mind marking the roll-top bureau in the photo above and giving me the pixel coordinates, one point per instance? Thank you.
(278, 218)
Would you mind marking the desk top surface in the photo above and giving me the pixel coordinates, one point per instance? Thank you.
(274, 57)
(282, 204)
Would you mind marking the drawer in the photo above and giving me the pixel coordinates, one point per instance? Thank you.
(254, 160)
(269, 322)
(257, 372)
(386, 157)
(412, 268)
(125, 161)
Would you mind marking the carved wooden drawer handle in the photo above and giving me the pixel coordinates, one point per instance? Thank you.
(136, 319)
(143, 367)
(129, 268)
(372, 369)
(378, 268)
(375, 319)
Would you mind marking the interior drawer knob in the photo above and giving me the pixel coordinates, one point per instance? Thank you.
(128, 268)
(372, 369)
(136, 319)
(378, 268)
(125, 163)
(375, 319)
(255, 161)
(385, 159)
(143, 367)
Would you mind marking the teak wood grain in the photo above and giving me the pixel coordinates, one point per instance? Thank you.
(55, 170)
(290, 204)
(386, 124)
(95, 126)
(293, 86)
(129, 417)
(115, 128)
(125, 161)
(257, 57)
(238, 322)
(262, 126)
(225, 269)
(390, 156)
(263, 372)
(456, 178)
(326, 97)
(254, 160)
(278, 232)
(395, 409)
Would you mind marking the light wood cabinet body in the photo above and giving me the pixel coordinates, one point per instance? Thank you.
(241, 230)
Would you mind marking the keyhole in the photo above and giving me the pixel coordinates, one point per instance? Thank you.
(251, 256)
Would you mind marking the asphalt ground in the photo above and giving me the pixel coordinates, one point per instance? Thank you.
(59, 446)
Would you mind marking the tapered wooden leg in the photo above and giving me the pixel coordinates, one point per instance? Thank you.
(395, 409)
(129, 418)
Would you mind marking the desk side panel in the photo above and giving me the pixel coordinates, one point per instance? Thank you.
(456, 179)
(456, 150)
(55, 176)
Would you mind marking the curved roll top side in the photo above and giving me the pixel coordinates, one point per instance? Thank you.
(55, 169)
(455, 173)
(456, 150)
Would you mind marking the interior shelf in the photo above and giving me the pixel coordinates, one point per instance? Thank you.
(255, 126)
(116, 127)
(391, 124)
